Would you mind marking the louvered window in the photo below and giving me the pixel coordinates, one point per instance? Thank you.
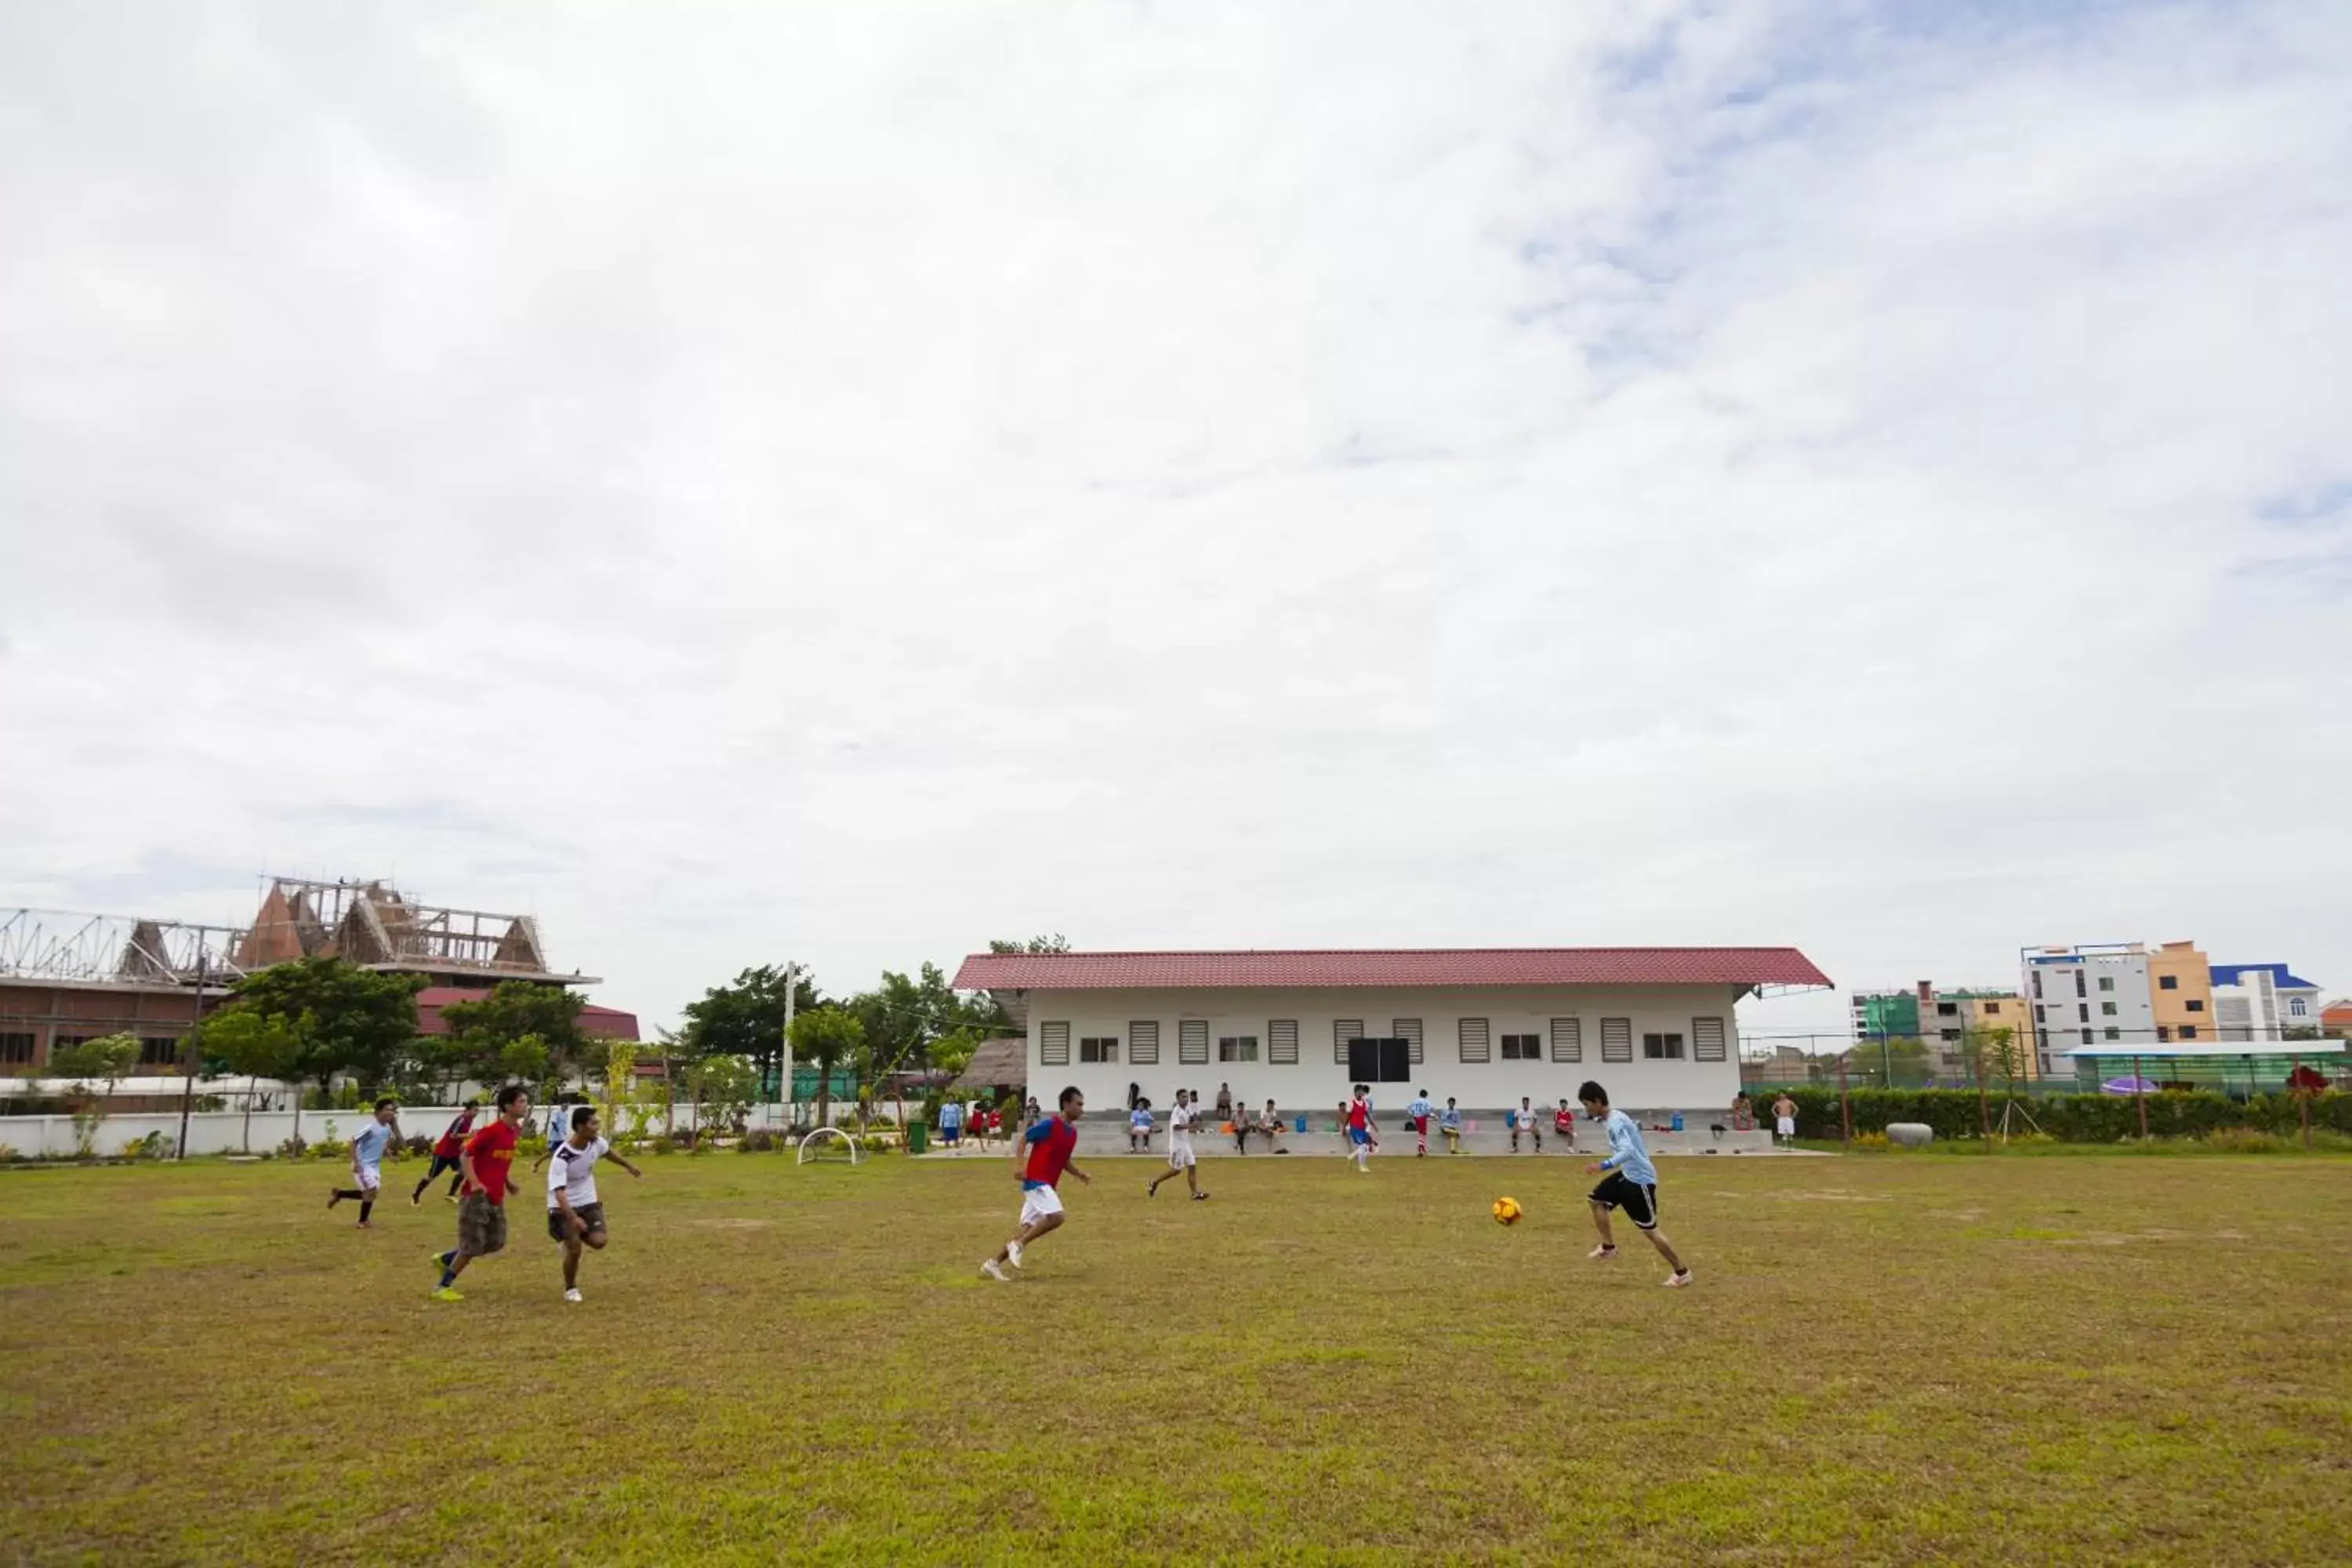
(1566, 1040)
(1053, 1045)
(1143, 1043)
(1282, 1042)
(1193, 1042)
(1409, 1031)
(1708, 1040)
(1616, 1039)
(1476, 1046)
(1342, 1031)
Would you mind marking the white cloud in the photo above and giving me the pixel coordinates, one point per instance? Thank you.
(852, 486)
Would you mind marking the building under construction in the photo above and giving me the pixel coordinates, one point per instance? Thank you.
(66, 978)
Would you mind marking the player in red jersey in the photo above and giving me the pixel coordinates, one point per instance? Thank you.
(1050, 1143)
(482, 1208)
(445, 1152)
(1359, 1129)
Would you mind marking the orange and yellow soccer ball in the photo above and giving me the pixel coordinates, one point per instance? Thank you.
(1507, 1211)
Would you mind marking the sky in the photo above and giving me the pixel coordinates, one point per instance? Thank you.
(751, 482)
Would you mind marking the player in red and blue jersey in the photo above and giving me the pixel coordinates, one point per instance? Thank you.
(1041, 1157)
(1362, 1137)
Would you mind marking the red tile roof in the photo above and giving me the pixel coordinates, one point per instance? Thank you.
(1400, 967)
(606, 1023)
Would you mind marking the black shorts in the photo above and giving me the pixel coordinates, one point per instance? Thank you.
(592, 1218)
(441, 1162)
(1638, 1199)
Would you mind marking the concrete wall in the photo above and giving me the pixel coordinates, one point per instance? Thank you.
(1319, 1079)
(227, 1132)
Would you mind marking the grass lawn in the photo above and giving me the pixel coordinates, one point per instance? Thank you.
(1884, 1360)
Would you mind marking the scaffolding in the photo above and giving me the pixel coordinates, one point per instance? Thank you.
(69, 947)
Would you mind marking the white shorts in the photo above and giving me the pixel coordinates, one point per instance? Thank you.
(370, 1178)
(1180, 1155)
(1788, 1125)
(1038, 1203)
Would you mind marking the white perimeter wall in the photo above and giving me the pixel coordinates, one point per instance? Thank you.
(1319, 1082)
(225, 1131)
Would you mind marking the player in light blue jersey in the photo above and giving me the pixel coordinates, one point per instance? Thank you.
(1628, 1181)
(367, 1158)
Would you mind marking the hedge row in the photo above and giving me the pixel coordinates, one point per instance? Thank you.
(2069, 1118)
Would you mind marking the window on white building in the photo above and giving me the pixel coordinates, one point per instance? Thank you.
(2107, 982)
(1342, 1031)
(1237, 1048)
(1409, 1031)
(1193, 1042)
(1616, 1039)
(1053, 1045)
(1708, 1040)
(2108, 1008)
(1522, 1047)
(1098, 1048)
(1662, 1047)
(1143, 1043)
(1282, 1042)
(1566, 1040)
(1473, 1040)
(2114, 1033)
(2295, 1006)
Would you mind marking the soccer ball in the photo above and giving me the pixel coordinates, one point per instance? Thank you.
(1507, 1211)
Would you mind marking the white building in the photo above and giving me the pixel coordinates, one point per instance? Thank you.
(2085, 995)
(1485, 1027)
(2262, 1001)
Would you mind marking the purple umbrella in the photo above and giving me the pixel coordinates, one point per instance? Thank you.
(2127, 1086)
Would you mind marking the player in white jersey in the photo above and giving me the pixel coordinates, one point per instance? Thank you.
(1179, 1147)
(574, 1217)
(367, 1160)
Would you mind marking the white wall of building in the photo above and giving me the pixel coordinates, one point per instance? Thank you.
(1319, 1080)
(2078, 998)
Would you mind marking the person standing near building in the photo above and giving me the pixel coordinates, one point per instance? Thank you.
(1449, 1121)
(1628, 1182)
(1050, 1144)
(1180, 1148)
(1784, 1119)
(950, 1123)
(444, 1153)
(574, 1218)
(1416, 1111)
(367, 1160)
(487, 1160)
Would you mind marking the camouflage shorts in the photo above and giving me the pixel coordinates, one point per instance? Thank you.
(481, 1224)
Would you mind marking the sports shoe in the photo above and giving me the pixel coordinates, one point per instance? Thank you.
(993, 1272)
(1200, 1198)
(333, 1197)
(572, 1295)
(1151, 1189)
(1012, 1253)
(1677, 1281)
(447, 1293)
(416, 1199)
(1602, 1252)
(442, 1259)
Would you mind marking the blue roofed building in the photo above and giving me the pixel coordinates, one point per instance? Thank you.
(2262, 1002)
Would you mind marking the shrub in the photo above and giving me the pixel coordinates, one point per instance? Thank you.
(154, 1146)
(293, 1149)
(1871, 1140)
(1956, 1113)
(759, 1140)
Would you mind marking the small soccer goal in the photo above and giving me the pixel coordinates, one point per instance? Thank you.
(829, 1144)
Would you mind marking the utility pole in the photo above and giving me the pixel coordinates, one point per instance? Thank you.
(188, 1052)
(784, 1050)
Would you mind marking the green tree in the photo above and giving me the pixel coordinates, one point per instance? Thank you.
(257, 1046)
(107, 1057)
(1890, 1062)
(745, 1019)
(344, 1018)
(827, 1036)
(526, 1032)
(1057, 943)
(720, 1087)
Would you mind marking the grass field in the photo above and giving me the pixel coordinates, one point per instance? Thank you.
(1884, 1360)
